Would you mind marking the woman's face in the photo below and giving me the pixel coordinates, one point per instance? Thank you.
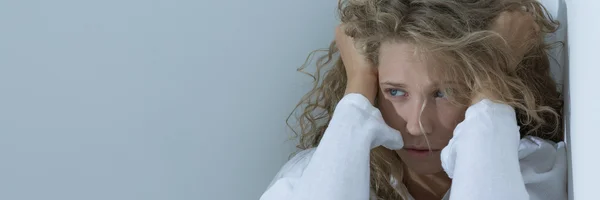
(411, 101)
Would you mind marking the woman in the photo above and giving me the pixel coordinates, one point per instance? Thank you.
(444, 99)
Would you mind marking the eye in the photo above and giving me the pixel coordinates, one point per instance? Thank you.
(439, 94)
(396, 93)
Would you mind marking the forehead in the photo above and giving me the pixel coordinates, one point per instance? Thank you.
(401, 62)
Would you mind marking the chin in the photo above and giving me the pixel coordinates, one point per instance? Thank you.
(422, 165)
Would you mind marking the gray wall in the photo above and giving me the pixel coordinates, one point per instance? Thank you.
(162, 99)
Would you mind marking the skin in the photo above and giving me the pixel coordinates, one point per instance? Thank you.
(404, 85)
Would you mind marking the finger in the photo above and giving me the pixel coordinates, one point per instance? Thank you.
(502, 20)
(338, 32)
(525, 20)
(524, 8)
(341, 38)
(536, 27)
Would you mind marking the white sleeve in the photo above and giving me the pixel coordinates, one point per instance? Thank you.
(544, 168)
(486, 159)
(339, 167)
(482, 157)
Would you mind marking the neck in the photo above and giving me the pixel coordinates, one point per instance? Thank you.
(430, 186)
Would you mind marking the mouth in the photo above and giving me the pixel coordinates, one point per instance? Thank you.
(421, 152)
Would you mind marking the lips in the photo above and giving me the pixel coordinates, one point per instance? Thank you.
(420, 148)
(420, 152)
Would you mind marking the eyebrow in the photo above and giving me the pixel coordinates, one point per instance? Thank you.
(398, 85)
(435, 84)
(449, 83)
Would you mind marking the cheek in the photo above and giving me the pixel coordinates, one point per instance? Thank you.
(449, 116)
(390, 115)
(446, 119)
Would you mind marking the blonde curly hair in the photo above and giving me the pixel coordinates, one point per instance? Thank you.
(457, 32)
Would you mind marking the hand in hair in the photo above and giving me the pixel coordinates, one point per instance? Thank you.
(520, 32)
(362, 77)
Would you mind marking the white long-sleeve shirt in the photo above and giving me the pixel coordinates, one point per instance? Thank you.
(486, 159)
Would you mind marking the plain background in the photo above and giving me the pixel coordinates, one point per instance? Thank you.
(583, 106)
(183, 99)
(151, 99)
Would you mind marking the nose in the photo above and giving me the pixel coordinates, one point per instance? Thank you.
(418, 121)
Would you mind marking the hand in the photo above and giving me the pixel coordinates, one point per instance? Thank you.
(362, 77)
(478, 96)
(519, 30)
